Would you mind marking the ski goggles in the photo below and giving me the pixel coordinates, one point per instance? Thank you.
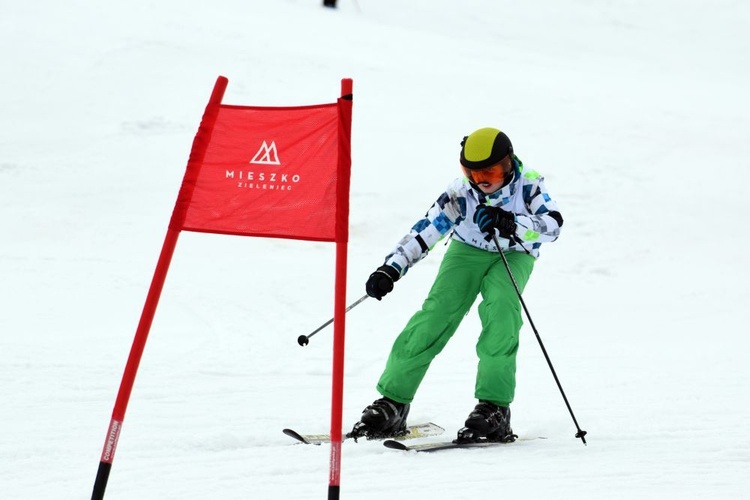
(491, 175)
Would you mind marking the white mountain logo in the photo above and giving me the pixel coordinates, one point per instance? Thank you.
(266, 155)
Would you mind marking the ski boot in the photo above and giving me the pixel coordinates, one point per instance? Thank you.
(487, 422)
(383, 419)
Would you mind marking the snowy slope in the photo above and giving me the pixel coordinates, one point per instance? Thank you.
(636, 113)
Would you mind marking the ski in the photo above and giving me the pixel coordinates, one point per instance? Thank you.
(414, 432)
(447, 445)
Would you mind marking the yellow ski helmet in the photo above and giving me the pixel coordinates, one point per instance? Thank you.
(484, 147)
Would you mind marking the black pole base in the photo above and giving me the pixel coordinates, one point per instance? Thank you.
(333, 492)
(102, 476)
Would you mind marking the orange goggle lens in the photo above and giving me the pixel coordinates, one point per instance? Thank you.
(491, 174)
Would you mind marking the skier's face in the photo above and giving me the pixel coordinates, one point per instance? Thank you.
(492, 178)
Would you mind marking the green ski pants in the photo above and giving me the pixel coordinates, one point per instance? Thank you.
(465, 272)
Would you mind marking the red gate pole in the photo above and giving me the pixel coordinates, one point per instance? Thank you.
(339, 311)
(200, 143)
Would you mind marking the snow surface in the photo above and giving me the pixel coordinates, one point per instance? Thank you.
(635, 111)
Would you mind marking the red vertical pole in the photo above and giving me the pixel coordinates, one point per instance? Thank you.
(200, 143)
(339, 312)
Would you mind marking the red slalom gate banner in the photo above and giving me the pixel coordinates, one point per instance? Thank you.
(280, 172)
(266, 172)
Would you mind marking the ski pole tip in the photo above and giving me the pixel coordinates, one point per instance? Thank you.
(303, 340)
(582, 436)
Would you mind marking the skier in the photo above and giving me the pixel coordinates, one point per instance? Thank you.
(498, 196)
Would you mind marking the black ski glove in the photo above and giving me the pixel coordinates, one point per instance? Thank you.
(489, 218)
(381, 282)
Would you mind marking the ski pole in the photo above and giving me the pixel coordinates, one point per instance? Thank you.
(303, 340)
(581, 434)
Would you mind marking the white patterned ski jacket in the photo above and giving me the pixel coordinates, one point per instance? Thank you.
(525, 196)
